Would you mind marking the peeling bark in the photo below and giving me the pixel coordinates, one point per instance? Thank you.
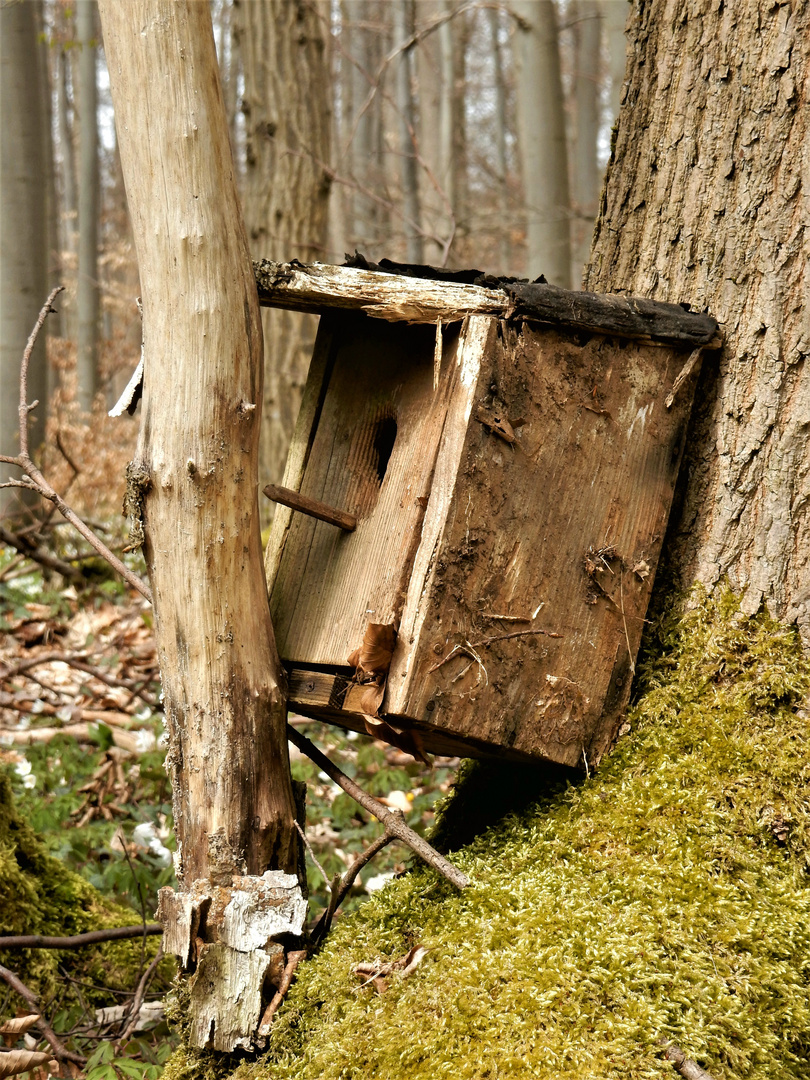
(706, 201)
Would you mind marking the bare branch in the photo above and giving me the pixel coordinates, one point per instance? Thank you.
(58, 1047)
(341, 888)
(92, 937)
(394, 825)
(140, 993)
(34, 480)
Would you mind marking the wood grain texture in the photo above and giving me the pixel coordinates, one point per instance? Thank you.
(380, 399)
(561, 530)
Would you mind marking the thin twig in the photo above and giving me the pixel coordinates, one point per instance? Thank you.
(79, 661)
(33, 480)
(314, 856)
(29, 550)
(393, 824)
(624, 620)
(140, 994)
(58, 1047)
(92, 937)
(294, 958)
(338, 893)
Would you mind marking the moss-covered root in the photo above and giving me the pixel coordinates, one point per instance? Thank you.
(665, 898)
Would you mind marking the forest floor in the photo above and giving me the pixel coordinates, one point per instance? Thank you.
(82, 741)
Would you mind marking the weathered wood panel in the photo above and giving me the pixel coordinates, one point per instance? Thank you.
(512, 537)
(522, 626)
(372, 454)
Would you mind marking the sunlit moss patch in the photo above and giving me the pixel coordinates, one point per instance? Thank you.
(665, 898)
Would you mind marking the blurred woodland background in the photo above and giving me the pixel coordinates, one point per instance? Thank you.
(457, 134)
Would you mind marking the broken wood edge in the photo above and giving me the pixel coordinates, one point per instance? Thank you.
(319, 287)
(294, 500)
(393, 824)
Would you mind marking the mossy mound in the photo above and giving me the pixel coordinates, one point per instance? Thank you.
(38, 895)
(668, 897)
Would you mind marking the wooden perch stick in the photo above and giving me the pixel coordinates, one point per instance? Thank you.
(394, 825)
(32, 478)
(93, 937)
(313, 507)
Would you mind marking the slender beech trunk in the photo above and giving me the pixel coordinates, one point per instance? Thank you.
(282, 44)
(585, 170)
(23, 232)
(501, 125)
(196, 477)
(541, 122)
(615, 13)
(706, 203)
(407, 125)
(87, 291)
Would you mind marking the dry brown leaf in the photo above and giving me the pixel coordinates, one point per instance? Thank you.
(497, 423)
(374, 655)
(403, 738)
(14, 1062)
(19, 1025)
(372, 698)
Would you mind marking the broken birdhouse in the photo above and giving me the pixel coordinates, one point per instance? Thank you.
(474, 505)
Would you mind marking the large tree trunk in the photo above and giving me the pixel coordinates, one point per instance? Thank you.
(23, 233)
(706, 203)
(196, 478)
(87, 291)
(284, 59)
(541, 121)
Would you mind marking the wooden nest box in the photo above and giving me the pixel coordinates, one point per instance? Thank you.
(507, 457)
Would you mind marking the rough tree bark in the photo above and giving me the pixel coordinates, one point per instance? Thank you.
(194, 484)
(23, 241)
(87, 291)
(541, 122)
(707, 202)
(282, 45)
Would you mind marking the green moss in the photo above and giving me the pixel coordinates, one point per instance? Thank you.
(38, 895)
(665, 898)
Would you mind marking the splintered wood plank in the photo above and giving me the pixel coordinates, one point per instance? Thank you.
(372, 455)
(524, 616)
(405, 298)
